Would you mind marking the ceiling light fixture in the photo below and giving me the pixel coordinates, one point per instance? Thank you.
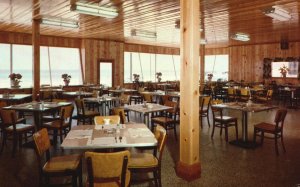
(277, 13)
(143, 33)
(241, 37)
(59, 22)
(94, 10)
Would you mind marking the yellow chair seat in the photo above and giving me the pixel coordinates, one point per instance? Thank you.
(162, 120)
(142, 160)
(20, 127)
(112, 184)
(62, 163)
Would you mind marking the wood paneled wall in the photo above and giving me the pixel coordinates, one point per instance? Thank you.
(26, 39)
(246, 62)
(94, 50)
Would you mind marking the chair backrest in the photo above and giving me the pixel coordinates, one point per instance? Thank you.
(79, 106)
(216, 110)
(8, 118)
(107, 167)
(66, 114)
(59, 100)
(204, 102)
(3, 104)
(174, 106)
(165, 98)
(114, 119)
(125, 99)
(147, 97)
(244, 92)
(269, 93)
(161, 136)
(231, 91)
(121, 112)
(279, 118)
(42, 144)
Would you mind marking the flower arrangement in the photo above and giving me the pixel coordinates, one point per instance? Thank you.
(210, 76)
(158, 76)
(66, 78)
(15, 77)
(284, 70)
(136, 77)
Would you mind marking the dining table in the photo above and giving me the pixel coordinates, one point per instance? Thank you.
(118, 92)
(146, 110)
(245, 108)
(37, 109)
(14, 98)
(104, 102)
(109, 136)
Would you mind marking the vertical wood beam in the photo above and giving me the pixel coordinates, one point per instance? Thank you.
(36, 49)
(188, 166)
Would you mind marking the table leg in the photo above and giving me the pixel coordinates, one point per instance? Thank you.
(244, 143)
(37, 119)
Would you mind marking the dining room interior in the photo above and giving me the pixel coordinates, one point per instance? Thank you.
(149, 93)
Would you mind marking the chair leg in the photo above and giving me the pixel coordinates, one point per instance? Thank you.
(15, 142)
(60, 135)
(213, 130)
(254, 136)
(226, 133)
(80, 174)
(282, 143)
(208, 119)
(262, 138)
(3, 141)
(155, 175)
(276, 145)
(236, 131)
(74, 180)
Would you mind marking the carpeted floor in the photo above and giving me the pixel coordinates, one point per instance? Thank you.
(222, 164)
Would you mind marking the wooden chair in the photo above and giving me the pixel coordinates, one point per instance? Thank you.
(223, 122)
(83, 113)
(265, 98)
(12, 126)
(121, 112)
(108, 169)
(54, 115)
(204, 104)
(63, 124)
(125, 99)
(147, 162)
(244, 94)
(231, 94)
(168, 118)
(114, 119)
(274, 129)
(69, 165)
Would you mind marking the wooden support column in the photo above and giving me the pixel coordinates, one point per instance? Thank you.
(202, 66)
(36, 49)
(188, 166)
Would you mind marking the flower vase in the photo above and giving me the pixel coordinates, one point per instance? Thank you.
(66, 83)
(15, 84)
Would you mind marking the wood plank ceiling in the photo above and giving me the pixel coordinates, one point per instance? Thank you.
(221, 18)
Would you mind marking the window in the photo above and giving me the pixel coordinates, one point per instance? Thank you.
(54, 61)
(292, 69)
(147, 64)
(218, 66)
(65, 60)
(106, 74)
(22, 63)
(4, 65)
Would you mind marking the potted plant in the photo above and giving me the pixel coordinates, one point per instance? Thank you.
(158, 76)
(284, 70)
(136, 77)
(66, 78)
(15, 79)
(210, 76)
